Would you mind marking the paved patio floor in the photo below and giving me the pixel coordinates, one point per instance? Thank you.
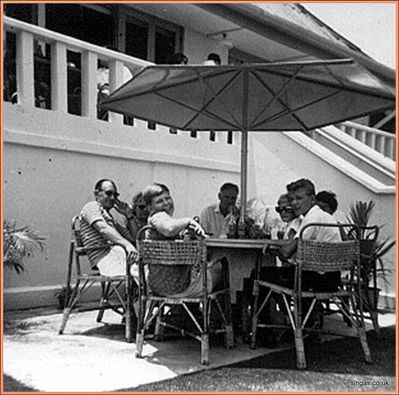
(93, 356)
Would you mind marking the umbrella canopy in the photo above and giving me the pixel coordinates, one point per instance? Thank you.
(283, 96)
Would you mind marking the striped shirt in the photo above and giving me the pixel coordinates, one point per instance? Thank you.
(91, 213)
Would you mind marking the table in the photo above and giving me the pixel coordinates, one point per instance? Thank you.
(242, 255)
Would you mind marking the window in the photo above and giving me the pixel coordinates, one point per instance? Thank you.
(93, 25)
(23, 12)
(136, 38)
(165, 44)
(150, 38)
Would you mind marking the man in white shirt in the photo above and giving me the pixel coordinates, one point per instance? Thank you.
(213, 218)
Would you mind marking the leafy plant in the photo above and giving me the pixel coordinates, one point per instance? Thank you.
(360, 214)
(19, 243)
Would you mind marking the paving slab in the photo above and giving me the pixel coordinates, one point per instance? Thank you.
(93, 357)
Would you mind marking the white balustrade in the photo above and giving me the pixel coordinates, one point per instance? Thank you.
(85, 95)
(381, 141)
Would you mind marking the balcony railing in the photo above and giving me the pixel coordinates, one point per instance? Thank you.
(49, 70)
(56, 72)
(380, 141)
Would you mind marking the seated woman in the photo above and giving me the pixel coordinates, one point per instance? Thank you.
(161, 207)
(293, 221)
(140, 214)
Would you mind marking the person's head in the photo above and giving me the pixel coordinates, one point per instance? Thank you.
(157, 198)
(327, 201)
(284, 208)
(302, 193)
(106, 193)
(178, 58)
(227, 196)
(215, 58)
(139, 207)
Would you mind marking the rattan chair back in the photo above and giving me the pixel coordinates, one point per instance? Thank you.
(327, 256)
(169, 263)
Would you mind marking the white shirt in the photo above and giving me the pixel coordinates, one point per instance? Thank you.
(292, 227)
(213, 221)
(319, 233)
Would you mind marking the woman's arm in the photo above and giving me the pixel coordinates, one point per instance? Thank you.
(168, 226)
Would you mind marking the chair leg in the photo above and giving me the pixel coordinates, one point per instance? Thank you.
(205, 349)
(374, 319)
(254, 321)
(139, 344)
(364, 344)
(159, 328)
(103, 301)
(131, 319)
(140, 328)
(65, 315)
(300, 349)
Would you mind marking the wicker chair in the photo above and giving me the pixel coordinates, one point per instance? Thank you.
(167, 265)
(116, 291)
(316, 256)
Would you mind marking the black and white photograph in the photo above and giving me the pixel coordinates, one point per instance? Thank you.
(199, 197)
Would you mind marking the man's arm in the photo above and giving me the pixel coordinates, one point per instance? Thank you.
(287, 247)
(111, 234)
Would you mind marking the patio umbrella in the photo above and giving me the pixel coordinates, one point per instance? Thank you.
(283, 96)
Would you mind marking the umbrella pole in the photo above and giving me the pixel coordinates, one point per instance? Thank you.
(244, 159)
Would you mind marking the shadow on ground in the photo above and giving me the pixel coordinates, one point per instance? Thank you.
(337, 365)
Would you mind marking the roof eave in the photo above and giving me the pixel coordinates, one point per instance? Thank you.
(289, 34)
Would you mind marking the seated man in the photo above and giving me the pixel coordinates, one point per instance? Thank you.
(214, 218)
(160, 206)
(303, 200)
(98, 227)
(303, 197)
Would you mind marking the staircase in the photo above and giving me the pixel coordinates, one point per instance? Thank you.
(364, 153)
(371, 152)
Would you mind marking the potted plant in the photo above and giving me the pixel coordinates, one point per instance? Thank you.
(19, 243)
(372, 249)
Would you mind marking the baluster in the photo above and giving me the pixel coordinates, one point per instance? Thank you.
(383, 145)
(391, 148)
(25, 74)
(363, 136)
(373, 141)
(89, 84)
(59, 87)
(115, 80)
(352, 132)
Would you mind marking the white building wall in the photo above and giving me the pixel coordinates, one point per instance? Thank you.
(52, 161)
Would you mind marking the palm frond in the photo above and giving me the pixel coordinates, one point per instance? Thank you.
(19, 244)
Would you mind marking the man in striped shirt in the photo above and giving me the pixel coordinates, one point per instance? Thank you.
(99, 228)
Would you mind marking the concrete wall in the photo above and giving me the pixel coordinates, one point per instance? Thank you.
(52, 160)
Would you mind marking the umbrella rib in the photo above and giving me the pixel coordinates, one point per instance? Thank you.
(216, 96)
(285, 85)
(193, 109)
(288, 110)
(341, 85)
